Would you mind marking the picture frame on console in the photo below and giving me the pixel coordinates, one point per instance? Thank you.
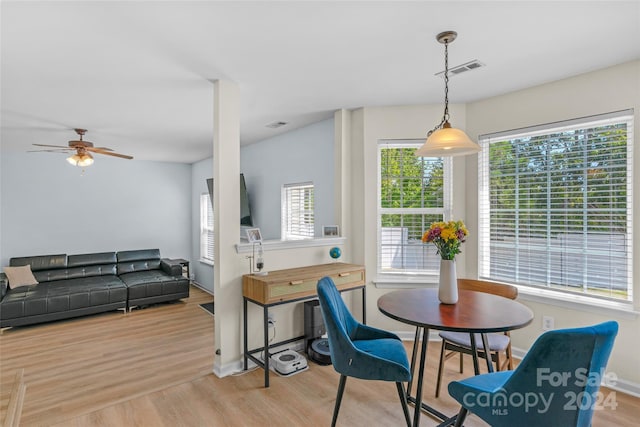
(330, 231)
(254, 235)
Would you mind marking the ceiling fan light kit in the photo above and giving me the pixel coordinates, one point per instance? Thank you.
(444, 140)
(81, 160)
(83, 148)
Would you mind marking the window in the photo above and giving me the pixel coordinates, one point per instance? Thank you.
(297, 211)
(556, 206)
(413, 193)
(206, 229)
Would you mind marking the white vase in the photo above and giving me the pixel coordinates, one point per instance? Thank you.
(448, 285)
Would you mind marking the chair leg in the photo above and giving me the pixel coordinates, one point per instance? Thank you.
(509, 357)
(336, 409)
(461, 416)
(403, 400)
(440, 368)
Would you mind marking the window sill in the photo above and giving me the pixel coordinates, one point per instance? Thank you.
(206, 261)
(402, 282)
(578, 302)
(276, 245)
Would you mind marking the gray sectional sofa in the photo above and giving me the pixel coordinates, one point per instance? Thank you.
(78, 285)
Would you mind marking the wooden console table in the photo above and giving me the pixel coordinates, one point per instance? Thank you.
(293, 285)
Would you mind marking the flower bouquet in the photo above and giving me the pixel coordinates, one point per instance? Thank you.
(447, 237)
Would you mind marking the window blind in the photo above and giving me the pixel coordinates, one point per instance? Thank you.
(298, 211)
(206, 229)
(555, 206)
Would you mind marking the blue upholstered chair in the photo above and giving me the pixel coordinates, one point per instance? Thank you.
(359, 350)
(556, 384)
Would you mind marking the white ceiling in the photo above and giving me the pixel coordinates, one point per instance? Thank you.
(138, 75)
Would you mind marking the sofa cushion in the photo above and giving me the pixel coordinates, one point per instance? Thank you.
(91, 259)
(41, 262)
(144, 284)
(140, 260)
(20, 276)
(64, 295)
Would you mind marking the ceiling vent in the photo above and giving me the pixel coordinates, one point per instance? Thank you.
(468, 66)
(276, 125)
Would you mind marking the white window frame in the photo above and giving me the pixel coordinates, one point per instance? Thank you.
(549, 290)
(297, 222)
(207, 237)
(393, 276)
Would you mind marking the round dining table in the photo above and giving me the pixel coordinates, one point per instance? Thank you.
(474, 313)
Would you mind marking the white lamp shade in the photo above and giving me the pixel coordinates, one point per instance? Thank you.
(86, 160)
(447, 142)
(81, 160)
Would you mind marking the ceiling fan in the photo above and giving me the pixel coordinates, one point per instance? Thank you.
(83, 149)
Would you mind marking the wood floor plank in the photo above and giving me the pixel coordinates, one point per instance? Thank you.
(153, 367)
(82, 365)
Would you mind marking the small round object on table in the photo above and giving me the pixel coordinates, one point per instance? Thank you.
(335, 252)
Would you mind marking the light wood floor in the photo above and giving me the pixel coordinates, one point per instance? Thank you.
(153, 367)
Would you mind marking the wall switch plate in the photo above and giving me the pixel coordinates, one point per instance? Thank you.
(548, 323)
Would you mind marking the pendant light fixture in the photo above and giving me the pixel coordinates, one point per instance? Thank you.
(443, 140)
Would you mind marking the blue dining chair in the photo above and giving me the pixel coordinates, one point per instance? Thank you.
(556, 384)
(360, 351)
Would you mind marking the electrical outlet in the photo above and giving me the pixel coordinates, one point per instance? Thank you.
(547, 323)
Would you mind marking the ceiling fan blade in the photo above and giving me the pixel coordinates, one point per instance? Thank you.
(108, 153)
(103, 148)
(55, 146)
(49, 151)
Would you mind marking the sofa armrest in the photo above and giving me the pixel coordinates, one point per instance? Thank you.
(170, 267)
(4, 285)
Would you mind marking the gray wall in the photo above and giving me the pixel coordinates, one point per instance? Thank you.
(48, 206)
(203, 272)
(302, 155)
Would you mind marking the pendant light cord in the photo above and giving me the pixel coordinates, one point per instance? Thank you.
(445, 116)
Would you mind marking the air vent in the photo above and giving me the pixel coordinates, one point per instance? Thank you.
(276, 125)
(469, 66)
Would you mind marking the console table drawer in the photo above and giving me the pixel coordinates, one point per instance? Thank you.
(284, 285)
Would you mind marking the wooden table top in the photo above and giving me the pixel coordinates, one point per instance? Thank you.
(477, 312)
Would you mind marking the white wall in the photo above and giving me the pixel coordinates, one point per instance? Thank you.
(611, 89)
(48, 206)
(200, 172)
(302, 155)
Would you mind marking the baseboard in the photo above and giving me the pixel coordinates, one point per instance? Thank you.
(237, 367)
(621, 385)
(202, 288)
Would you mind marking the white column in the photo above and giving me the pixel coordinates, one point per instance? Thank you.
(226, 195)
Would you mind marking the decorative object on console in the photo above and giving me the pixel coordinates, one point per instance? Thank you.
(330, 231)
(259, 260)
(256, 261)
(447, 237)
(83, 150)
(443, 140)
(335, 252)
(254, 235)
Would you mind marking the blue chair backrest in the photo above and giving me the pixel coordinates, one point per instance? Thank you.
(564, 367)
(340, 325)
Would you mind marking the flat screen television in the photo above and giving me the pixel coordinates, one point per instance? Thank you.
(245, 208)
